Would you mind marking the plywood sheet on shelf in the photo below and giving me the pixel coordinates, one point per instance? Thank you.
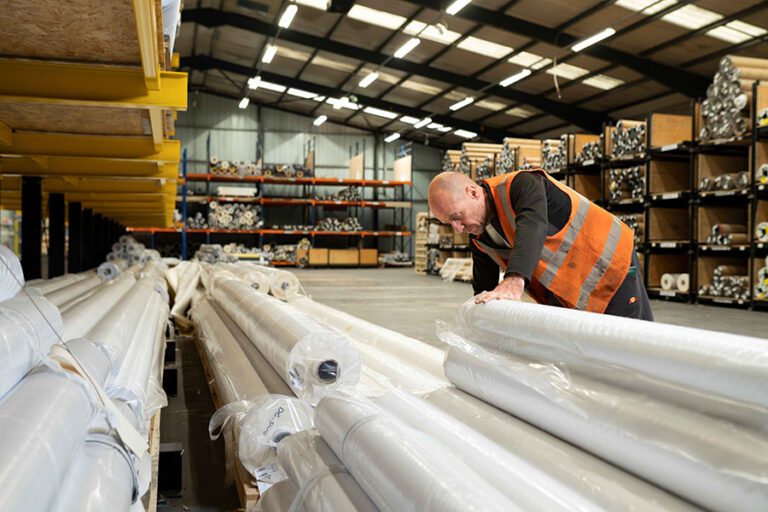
(74, 119)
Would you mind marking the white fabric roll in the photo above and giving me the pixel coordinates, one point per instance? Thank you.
(11, 274)
(605, 485)
(45, 286)
(310, 358)
(83, 316)
(29, 326)
(111, 269)
(189, 277)
(400, 470)
(282, 284)
(398, 372)
(708, 461)
(416, 352)
(62, 295)
(761, 232)
(702, 362)
(669, 281)
(683, 282)
(324, 484)
(253, 278)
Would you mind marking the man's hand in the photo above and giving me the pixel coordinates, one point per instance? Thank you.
(511, 288)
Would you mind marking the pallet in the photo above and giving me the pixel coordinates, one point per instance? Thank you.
(246, 490)
(150, 498)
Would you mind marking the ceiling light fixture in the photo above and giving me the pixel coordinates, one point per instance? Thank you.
(465, 134)
(300, 93)
(253, 83)
(320, 120)
(407, 47)
(379, 112)
(392, 137)
(409, 120)
(369, 79)
(288, 15)
(515, 78)
(603, 34)
(340, 103)
(244, 103)
(456, 6)
(269, 54)
(461, 104)
(424, 122)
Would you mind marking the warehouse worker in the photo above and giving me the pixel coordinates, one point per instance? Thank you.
(548, 239)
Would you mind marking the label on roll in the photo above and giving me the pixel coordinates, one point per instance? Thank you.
(667, 293)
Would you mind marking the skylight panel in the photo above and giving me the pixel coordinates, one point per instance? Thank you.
(639, 5)
(603, 82)
(529, 60)
(491, 105)
(431, 32)
(483, 47)
(567, 71)
(376, 17)
(692, 17)
(519, 112)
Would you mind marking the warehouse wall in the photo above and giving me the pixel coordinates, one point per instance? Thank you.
(234, 135)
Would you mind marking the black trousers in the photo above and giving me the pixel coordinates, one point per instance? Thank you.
(631, 299)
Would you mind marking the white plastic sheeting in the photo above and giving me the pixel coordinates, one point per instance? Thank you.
(69, 292)
(310, 358)
(523, 483)
(111, 269)
(253, 278)
(399, 373)
(324, 484)
(399, 469)
(279, 498)
(709, 461)
(189, 276)
(45, 286)
(416, 352)
(29, 325)
(11, 275)
(83, 316)
(282, 284)
(43, 421)
(171, 21)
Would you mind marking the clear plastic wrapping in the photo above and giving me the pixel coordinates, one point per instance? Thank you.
(45, 286)
(111, 269)
(416, 352)
(83, 316)
(189, 278)
(279, 498)
(253, 278)
(310, 358)
(324, 484)
(283, 285)
(399, 469)
(11, 274)
(707, 460)
(66, 293)
(29, 325)
(400, 373)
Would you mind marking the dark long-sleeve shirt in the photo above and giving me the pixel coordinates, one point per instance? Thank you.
(541, 210)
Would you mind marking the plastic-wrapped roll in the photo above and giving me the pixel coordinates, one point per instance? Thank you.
(683, 282)
(709, 461)
(399, 469)
(11, 274)
(762, 174)
(279, 498)
(400, 373)
(762, 274)
(43, 421)
(62, 295)
(282, 284)
(310, 358)
(532, 490)
(83, 316)
(416, 352)
(253, 278)
(323, 482)
(45, 286)
(695, 360)
(29, 326)
(669, 281)
(111, 269)
(189, 277)
(603, 484)
(761, 232)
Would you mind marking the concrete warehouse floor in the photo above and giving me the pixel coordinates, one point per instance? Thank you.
(395, 298)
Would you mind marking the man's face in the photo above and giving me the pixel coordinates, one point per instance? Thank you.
(465, 212)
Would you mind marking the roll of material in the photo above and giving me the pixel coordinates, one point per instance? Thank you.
(761, 232)
(398, 373)
(235, 377)
(62, 295)
(683, 282)
(711, 462)
(83, 316)
(111, 269)
(725, 229)
(45, 286)
(762, 174)
(11, 274)
(100, 478)
(416, 352)
(29, 326)
(399, 469)
(522, 482)
(279, 498)
(669, 281)
(690, 362)
(310, 358)
(603, 484)
(282, 284)
(253, 278)
(189, 277)
(324, 484)
(43, 421)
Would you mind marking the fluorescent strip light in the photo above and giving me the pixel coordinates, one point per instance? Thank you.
(490, 105)
(483, 47)
(288, 15)
(456, 6)
(381, 113)
(444, 129)
(419, 87)
(424, 122)
(515, 78)
(465, 134)
(603, 34)
(407, 47)
(432, 32)
(369, 79)
(392, 137)
(301, 93)
(269, 86)
(315, 4)
(409, 120)
(461, 104)
(434, 126)
(269, 54)
(376, 17)
(244, 103)
(342, 103)
(320, 120)
(253, 83)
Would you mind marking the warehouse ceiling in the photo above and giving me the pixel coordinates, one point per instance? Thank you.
(495, 68)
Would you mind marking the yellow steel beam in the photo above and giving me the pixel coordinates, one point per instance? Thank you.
(120, 198)
(76, 166)
(96, 185)
(146, 26)
(6, 135)
(156, 125)
(28, 81)
(43, 144)
(175, 60)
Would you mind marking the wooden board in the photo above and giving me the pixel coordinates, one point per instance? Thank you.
(706, 266)
(91, 31)
(711, 166)
(587, 185)
(669, 129)
(74, 119)
(708, 216)
(669, 176)
(669, 224)
(666, 264)
(150, 499)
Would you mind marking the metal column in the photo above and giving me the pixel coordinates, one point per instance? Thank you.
(88, 257)
(75, 254)
(31, 229)
(56, 254)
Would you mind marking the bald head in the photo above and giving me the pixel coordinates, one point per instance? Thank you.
(457, 200)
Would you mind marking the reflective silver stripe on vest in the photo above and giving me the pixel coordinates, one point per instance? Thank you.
(499, 255)
(554, 260)
(597, 272)
(506, 203)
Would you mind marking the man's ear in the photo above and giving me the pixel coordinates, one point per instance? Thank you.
(473, 191)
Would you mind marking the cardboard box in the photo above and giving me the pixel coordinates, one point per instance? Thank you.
(318, 257)
(343, 257)
(369, 257)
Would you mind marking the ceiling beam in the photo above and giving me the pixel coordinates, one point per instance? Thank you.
(586, 119)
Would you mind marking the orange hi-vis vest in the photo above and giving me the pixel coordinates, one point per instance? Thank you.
(583, 264)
